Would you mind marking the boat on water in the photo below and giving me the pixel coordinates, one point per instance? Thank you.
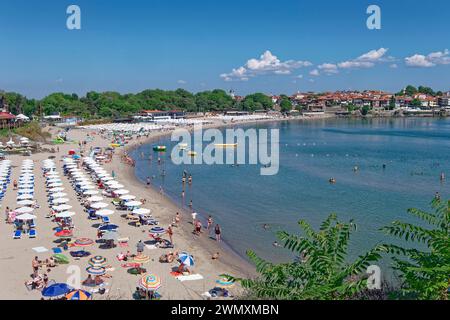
(159, 148)
(226, 145)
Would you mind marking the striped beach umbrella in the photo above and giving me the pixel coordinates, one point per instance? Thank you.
(224, 283)
(150, 282)
(96, 271)
(186, 259)
(83, 242)
(157, 230)
(141, 259)
(97, 261)
(80, 295)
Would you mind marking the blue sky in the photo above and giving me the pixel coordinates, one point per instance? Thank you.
(128, 46)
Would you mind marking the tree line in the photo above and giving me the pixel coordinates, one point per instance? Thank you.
(113, 104)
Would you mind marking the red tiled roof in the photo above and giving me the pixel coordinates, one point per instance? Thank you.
(7, 116)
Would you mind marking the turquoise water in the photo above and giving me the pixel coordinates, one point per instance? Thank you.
(415, 151)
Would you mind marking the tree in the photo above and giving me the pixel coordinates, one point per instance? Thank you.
(285, 105)
(322, 273)
(416, 103)
(425, 273)
(410, 90)
(256, 101)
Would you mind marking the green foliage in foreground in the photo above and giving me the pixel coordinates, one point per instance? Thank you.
(322, 272)
(425, 274)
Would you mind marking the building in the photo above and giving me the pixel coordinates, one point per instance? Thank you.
(8, 120)
(155, 115)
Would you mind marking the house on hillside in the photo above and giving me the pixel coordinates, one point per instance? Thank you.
(8, 120)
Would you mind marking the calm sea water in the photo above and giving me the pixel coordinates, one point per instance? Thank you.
(415, 151)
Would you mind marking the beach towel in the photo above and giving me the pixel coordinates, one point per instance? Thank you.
(191, 277)
(56, 250)
(151, 247)
(40, 249)
(176, 274)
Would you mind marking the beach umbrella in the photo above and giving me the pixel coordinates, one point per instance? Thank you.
(224, 283)
(65, 214)
(90, 192)
(110, 235)
(98, 205)
(24, 210)
(107, 179)
(60, 200)
(97, 261)
(96, 271)
(26, 186)
(157, 230)
(26, 217)
(56, 290)
(60, 258)
(55, 185)
(26, 191)
(57, 189)
(59, 195)
(104, 213)
(64, 234)
(87, 187)
(121, 192)
(141, 259)
(116, 186)
(142, 211)
(62, 207)
(80, 295)
(133, 204)
(83, 242)
(95, 199)
(52, 180)
(108, 227)
(150, 282)
(25, 197)
(127, 197)
(186, 259)
(111, 182)
(25, 203)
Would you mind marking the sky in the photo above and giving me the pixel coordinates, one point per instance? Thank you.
(249, 46)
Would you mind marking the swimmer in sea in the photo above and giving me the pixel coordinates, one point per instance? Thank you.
(266, 226)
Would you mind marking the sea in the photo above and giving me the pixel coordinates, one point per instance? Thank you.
(382, 167)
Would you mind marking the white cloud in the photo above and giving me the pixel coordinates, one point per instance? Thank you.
(373, 55)
(266, 64)
(353, 64)
(181, 82)
(315, 73)
(328, 68)
(393, 66)
(300, 76)
(431, 60)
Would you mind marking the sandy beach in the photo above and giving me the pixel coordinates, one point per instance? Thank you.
(16, 255)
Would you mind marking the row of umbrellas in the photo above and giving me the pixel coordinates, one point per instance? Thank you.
(25, 191)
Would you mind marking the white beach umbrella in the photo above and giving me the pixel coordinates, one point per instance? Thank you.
(87, 187)
(59, 195)
(25, 197)
(142, 211)
(121, 192)
(104, 212)
(24, 210)
(98, 205)
(116, 186)
(53, 180)
(25, 203)
(133, 204)
(57, 189)
(62, 207)
(55, 185)
(108, 178)
(127, 197)
(95, 199)
(65, 214)
(26, 191)
(60, 200)
(111, 182)
(26, 186)
(26, 217)
(90, 192)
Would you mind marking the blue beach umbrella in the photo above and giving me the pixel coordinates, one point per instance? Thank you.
(186, 259)
(157, 230)
(109, 227)
(56, 290)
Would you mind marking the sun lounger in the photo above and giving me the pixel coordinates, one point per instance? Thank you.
(17, 234)
(32, 234)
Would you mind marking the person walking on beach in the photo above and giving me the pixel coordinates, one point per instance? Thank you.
(218, 232)
(140, 247)
(177, 219)
(148, 182)
(210, 222)
(198, 227)
(170, 233)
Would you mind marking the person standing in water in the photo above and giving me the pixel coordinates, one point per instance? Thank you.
(442, 176)
(218, 232)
